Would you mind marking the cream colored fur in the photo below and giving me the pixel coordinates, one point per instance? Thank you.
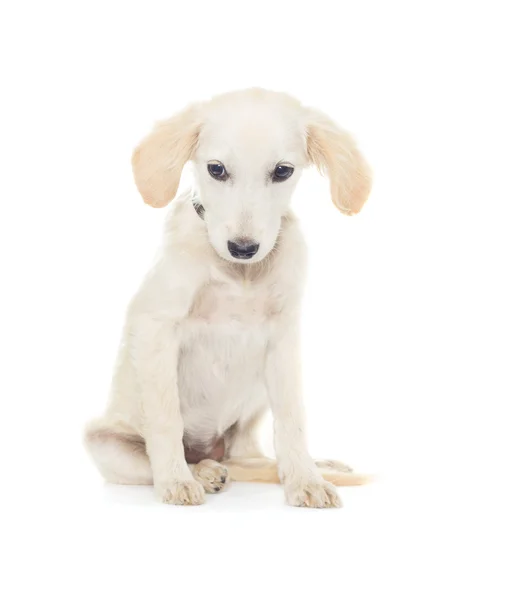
(211, 341)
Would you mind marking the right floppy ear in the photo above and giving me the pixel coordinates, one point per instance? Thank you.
(159, 159)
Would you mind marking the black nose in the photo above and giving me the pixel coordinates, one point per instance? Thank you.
(241, 248)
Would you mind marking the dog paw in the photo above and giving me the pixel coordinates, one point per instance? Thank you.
(186, 492)
(315, 493)
(334, 465)
(211, 475)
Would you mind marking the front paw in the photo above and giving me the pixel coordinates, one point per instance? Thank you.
(312, 493)
(181, 491)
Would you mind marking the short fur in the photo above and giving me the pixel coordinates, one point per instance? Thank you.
(211, 341)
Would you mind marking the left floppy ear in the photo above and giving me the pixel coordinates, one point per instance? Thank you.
(334, 152)
(159, 159)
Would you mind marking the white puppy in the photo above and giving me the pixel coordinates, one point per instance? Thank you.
(211, 338)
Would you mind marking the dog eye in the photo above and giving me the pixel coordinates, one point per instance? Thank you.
(282, 172)
(218, 171)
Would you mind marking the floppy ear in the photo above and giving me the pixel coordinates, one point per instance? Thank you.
(159, 159)
(334, 152)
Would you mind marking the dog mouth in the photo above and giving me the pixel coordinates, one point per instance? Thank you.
(242, 261)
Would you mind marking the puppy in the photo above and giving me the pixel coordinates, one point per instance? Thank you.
(211, 338)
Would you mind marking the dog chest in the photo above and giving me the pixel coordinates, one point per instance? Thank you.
(235, 302)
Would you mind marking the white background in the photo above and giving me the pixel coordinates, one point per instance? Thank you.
(405, 325)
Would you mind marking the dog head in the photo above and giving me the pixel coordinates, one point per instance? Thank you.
(248, 150)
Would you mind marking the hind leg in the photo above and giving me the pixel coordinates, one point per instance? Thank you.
(245, 458)
(243, 439)
(120, 455)
(212, 475)
(242, 442)
(247, 462)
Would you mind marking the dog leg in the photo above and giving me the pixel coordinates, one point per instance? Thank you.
(242, 440)
(212, 475)
(120, 455)
(155, 354)
(303, 483)
(246, 461)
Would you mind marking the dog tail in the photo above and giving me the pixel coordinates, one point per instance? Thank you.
(264, 470)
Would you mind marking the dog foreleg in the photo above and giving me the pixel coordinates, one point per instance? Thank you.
(155, 353)
(303, 483)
